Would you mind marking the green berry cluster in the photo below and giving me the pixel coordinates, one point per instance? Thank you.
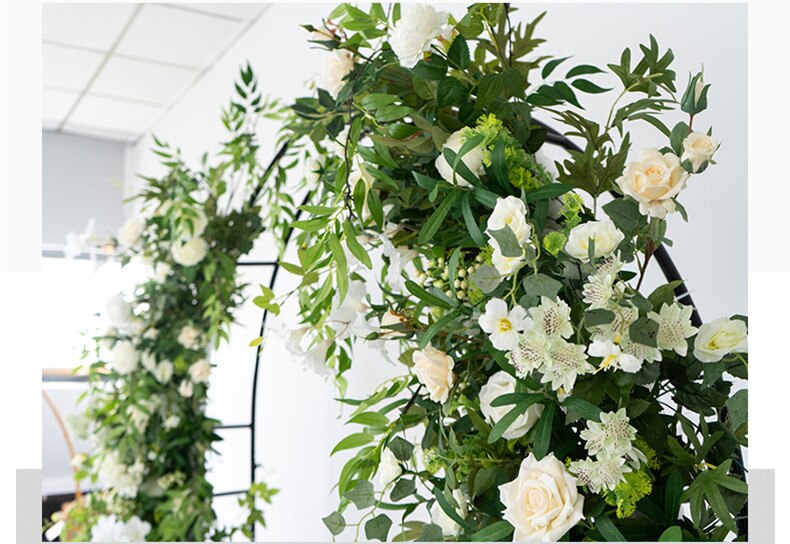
(437, 274)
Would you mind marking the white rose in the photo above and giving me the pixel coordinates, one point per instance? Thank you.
(163, 372)
(337, 65)
(698, 148)
(124, 357)
(189, 337)
(415, 31)
(504, 265)
(434, 369)
(510, 212)
(189, 252)
(186, 389)
(200, 371)
(542, 503)
(119, 311)
(134, 530)
(161, 272)
(719, 338)
(500, 384)
(607, 237)
(389, 468)
(449, 526)
(473, 160)
(131, 231)
(654, 180)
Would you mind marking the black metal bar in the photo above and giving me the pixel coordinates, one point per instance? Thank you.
(230, 493)
(258, 263)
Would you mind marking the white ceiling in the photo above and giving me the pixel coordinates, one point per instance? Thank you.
(110, 70)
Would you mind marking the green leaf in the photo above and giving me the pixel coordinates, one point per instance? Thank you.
(508, 243)
(448, 508)
(507, 420)
(672, 496)
(738, 410)
(471, 223)
(624, 213)
(608, 530)
(673, 534)
(486, 278)
(499, 163)
(403, 488)
(355, 247)
(598, 316)
(401, 448)
(644, 331)
(373, 419)
(488, 89)
(426, 296)
(335, 522)
(497, 531)
(588, 86)
(540, 446)
(458, 53)
(663, 294)
(431, 533)
(437, 326)
(378, 100)
(676, 137)
(436, 219)
(342, 265)
(587, 410)
(352, 441)
(378, 528)
(362, 495)
(547, 192)
(549, 67)
(581, 70)
(450, 92)
(541, 285)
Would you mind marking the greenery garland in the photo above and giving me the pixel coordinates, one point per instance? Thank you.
(544, 396)
(149, 372)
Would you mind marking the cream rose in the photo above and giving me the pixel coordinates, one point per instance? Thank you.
(189, 337)
(200, 371)
(434, 369)
(473, 160)
(719, 338)
(510, 212)
(542, 503)
(124, 357)
(414, 32)
(654, 180)
(337, 65)
(131, 231)
(189, 252)
(607, 237)
(500, 384)
(698, 148)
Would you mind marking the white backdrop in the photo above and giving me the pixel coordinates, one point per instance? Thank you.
(299, 420)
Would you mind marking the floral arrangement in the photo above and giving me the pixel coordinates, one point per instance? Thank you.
(149, 371)
(544, 395)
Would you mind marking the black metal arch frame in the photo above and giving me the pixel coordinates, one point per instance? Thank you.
(553, 137)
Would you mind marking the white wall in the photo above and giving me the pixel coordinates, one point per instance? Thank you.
(81, 180)
(298, 418)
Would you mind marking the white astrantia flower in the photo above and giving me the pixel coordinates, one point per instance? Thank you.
(543, 502)
(601, 474)
(199, 371)
(674, 327)
(130, 233)
(502, 383)
(510, 212)
(552, 317)
(337, 65)
(434, 369)
(389, 468)
(532, 352)
(624, 316)
(163, 372)
(124, 357)
(473, 160)
(568, 361)
(613, 357)
(415, 31)
(504, 265)
(502, 325)
(450, 527)
(613, 436)
(189, 337)
(642, 352)
(719, 338)
(605, 234)
(599, 290)
(609, 265)
(189, 252)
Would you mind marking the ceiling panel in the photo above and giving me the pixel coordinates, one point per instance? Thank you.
(88, 25)
(55, 104)
(68, 68)
(238, 11)
(113, 115)
(141, 80)
(177, 36)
